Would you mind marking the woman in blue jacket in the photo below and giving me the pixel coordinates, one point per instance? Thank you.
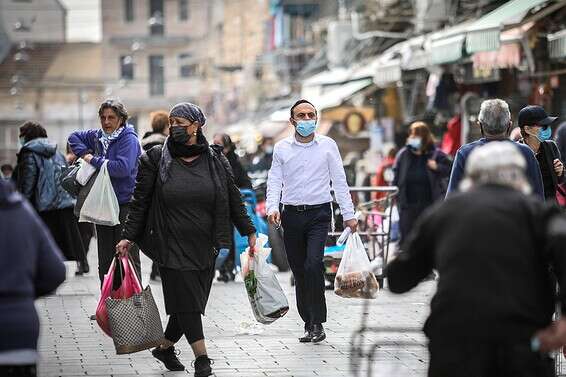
(117, 143)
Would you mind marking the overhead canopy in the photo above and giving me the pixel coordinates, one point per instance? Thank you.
(483, 35)
(447, 50)
(557, 44)
(388, 73)
(445, 46)
(335, 97)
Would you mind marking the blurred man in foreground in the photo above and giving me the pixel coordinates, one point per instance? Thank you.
(492, 312)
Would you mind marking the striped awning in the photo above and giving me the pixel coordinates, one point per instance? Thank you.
(557, 44)
(483, 34)
(482, 40)
(446, 50)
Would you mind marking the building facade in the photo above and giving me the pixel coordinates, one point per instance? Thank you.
(154, 53)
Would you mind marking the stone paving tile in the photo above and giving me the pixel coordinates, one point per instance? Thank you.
(72, 345)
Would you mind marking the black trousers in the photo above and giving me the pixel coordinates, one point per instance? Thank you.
(187, 323)
(304, 235)
(107, 238)
(475, 359)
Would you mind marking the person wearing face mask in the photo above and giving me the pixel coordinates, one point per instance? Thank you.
(536, 132)
(305, 167)
(187, 189)
(420, 171)
(117, 143)
(495, 122)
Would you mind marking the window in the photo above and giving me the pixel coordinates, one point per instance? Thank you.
(156, 75)
(156, 17)
(128, 10)
(183, 10)
(186, 68)
(126, 67)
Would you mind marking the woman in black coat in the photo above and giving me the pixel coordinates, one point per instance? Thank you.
(186, 189)
(421, 173)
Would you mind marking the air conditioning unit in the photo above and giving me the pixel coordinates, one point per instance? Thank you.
(339, 34)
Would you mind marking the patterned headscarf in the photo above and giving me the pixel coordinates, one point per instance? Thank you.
(188, 111)
(106, 139)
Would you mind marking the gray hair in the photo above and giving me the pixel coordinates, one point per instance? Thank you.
(494, 116)
(499, 163)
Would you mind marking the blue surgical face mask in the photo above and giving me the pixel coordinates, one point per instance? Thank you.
(22, 141)
(545, 133)
(305, 128)
(415, 142)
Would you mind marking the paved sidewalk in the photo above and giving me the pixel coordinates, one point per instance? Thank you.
(72, 345)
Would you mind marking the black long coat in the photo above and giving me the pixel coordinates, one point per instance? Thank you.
(146, 220)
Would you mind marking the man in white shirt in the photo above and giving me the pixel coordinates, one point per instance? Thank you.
(299, 186)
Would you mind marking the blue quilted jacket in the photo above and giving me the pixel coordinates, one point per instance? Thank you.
(39, 175)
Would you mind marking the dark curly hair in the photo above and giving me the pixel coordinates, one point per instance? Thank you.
(32, 130)
(116, 106)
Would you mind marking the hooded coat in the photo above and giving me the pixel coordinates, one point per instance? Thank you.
(39, 175)
(30, 266)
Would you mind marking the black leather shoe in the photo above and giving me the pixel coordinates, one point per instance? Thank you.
(318, 334)
(202, 366)
(168, 357)
(307, 337)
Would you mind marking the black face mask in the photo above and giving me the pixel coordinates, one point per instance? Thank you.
(179, 134)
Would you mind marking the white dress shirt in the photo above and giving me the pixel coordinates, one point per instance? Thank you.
(301, 174)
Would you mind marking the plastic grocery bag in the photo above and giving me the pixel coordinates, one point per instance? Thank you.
(264, 292)
(354, 278)
(129, 285)
(101, 205)
(84, 173)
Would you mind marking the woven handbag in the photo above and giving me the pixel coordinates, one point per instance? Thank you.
(135, 322)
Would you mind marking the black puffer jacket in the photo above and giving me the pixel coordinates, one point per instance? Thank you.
(152, 171)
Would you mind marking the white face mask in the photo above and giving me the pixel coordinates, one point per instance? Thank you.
(415, 142)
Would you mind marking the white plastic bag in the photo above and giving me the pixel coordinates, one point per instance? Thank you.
(266, 297)
(86, 171)
(354, 278)
(101, 205)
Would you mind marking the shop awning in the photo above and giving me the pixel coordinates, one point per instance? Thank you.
(446, 50)
(557, 44)
(387, 73)
(335, 97)
(483, 35)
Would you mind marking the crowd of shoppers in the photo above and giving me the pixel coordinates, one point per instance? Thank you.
(179, 199)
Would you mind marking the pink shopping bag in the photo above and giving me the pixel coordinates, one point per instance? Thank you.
(130, 285)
